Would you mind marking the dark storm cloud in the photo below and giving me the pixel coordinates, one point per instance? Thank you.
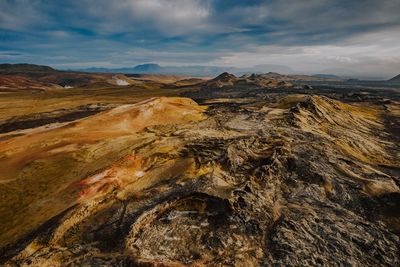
(68, 33)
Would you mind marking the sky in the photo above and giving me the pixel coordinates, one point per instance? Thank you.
(344, 37)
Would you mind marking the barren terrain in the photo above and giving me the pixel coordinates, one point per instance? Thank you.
(256, 170)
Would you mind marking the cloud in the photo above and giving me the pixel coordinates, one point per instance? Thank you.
(307, 35)
(10, 55)
(167, 17)
(370, 54)
(20, 14)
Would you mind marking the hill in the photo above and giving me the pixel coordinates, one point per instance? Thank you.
(29, 74)
(247, 81)
(395, 79)
(18, 82)
(147, 68)
(24, 67)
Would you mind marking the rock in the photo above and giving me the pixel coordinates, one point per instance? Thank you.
(253, 181)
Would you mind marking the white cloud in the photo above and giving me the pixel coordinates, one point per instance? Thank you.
(58, 34)
(308, 36)
(21, 14)
(373, 54)
(170, 17)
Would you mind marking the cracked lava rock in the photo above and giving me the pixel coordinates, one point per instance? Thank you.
(284, 179)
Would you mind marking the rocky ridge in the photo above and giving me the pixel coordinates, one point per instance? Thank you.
(283, 179)
(246, 82)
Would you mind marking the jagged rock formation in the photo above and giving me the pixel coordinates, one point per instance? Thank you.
(223, 80)
(246, 82)
(290, 78)
(278, 180)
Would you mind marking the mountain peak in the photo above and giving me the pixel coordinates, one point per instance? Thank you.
(225, 76)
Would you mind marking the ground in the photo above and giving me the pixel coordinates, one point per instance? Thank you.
(251, 172)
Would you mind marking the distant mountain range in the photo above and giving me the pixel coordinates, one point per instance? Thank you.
(200, 71)
(326, 76)
(193, 70)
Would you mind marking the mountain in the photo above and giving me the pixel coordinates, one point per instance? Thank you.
(247, 81)
(329, 76)
(198, 70)
(33, 76)
(225, 77)
(395, 79)
(274, 71)
(292, 77)
(147, 68)
(23, 67)
(222, 80)
(150, 68)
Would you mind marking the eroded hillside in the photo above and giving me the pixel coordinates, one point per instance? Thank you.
(262, 177)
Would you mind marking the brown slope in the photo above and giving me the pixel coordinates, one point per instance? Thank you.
(19, 82)
(38, 193)
(258, 182)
